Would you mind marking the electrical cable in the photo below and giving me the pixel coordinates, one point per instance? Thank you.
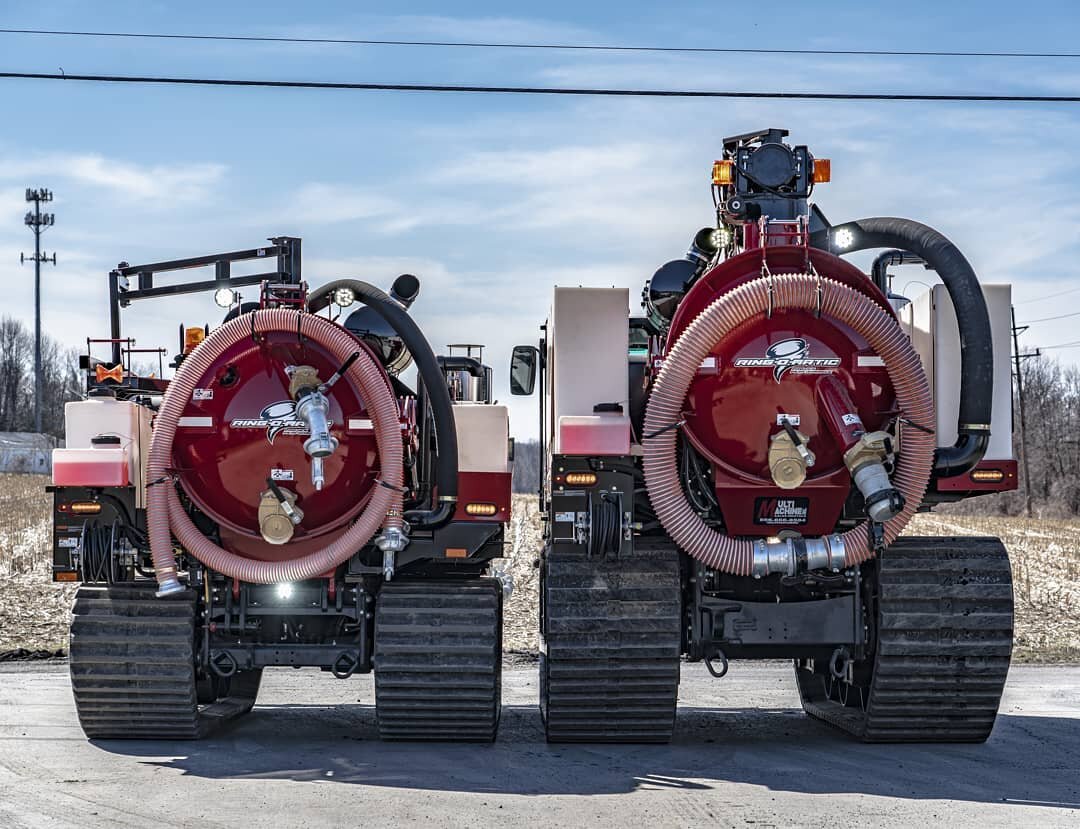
(1047, 296)
(579, 47)
(543, 90)
(1049, 319)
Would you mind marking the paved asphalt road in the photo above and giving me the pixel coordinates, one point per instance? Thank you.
(743, 755)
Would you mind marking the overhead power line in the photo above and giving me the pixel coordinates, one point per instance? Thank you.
(1048, 296)
(1074, 344)
(544, 90)
(1049, 319)
(580, 47)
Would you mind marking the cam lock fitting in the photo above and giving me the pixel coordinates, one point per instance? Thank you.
(313, 408)
(865, 461)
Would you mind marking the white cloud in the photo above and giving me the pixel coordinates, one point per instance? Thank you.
(172, 182)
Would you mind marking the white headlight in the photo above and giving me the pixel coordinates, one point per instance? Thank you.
(844, 238)
(344, 297)
(721, 238)
(224, 297)
(284, 591)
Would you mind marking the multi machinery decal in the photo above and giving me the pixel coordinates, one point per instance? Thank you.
(277, 418)
(790, 355)
(781, 511)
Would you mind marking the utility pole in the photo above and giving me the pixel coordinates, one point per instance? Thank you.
(1017, 357)
(38, 222)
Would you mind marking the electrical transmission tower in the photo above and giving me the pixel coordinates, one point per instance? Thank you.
(38, 222)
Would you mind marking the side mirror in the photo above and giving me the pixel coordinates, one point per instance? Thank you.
(523, 369)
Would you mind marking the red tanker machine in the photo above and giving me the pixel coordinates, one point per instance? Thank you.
(727, 476)
(285, 499)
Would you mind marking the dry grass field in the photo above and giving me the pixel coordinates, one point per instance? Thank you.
(1045, 559)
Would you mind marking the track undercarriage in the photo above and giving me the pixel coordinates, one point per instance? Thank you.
(142, 667)
(933, 619)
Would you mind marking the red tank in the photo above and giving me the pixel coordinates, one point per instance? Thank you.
(766, 370)
(240, 428)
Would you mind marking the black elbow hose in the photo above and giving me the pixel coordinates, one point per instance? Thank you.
(976, 345)
(457, 363)
(446, 472)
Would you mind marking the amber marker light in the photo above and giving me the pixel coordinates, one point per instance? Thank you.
(116, 373)
(192, 337)
(481, 509)
(988, 476)
(822, 170)
(581, 478)
(723, 172)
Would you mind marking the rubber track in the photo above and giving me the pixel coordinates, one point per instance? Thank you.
(133, 667)
(438, 660)
(946, 624)
(610, 665)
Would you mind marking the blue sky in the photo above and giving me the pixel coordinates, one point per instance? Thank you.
(491, 200)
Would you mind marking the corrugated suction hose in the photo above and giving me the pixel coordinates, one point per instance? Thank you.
(166, 516)
(667, 402)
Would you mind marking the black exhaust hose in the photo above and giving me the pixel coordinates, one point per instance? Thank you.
(446, 473)
(976, 345)
(458, 363)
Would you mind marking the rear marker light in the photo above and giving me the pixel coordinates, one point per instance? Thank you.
(581, 478)
(723, 172)
(116, 373)
(65, 576)
(481, 509)
(822, 170)
(192, 338)
(457, 552)
(85, 507)
(988, 476)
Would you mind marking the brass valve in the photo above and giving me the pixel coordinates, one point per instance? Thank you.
(278, 518)
(302, 377)
(789, 458)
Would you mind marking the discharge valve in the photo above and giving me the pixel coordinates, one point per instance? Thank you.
(313, 408)
(865, 453)
(789, 456)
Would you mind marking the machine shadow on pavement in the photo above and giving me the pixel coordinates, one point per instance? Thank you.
(1027, 761)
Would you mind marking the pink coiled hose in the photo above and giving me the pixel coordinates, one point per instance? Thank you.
(667, 403)
(166, 517)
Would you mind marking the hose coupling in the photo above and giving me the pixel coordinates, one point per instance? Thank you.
(392, 540)
(793, 556)
(314, 409)
(866, 462)
(168, 587)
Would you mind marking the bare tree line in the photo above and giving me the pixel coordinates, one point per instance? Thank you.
(60, 379)
(1052, 405)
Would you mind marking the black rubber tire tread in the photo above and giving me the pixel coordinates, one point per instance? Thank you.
(611, 645)
(132, 663)
(438, 660)
(945, 625)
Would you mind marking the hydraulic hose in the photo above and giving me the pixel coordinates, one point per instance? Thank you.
(744, 557)
(976, 344)
(165, 514)
(446, 473)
